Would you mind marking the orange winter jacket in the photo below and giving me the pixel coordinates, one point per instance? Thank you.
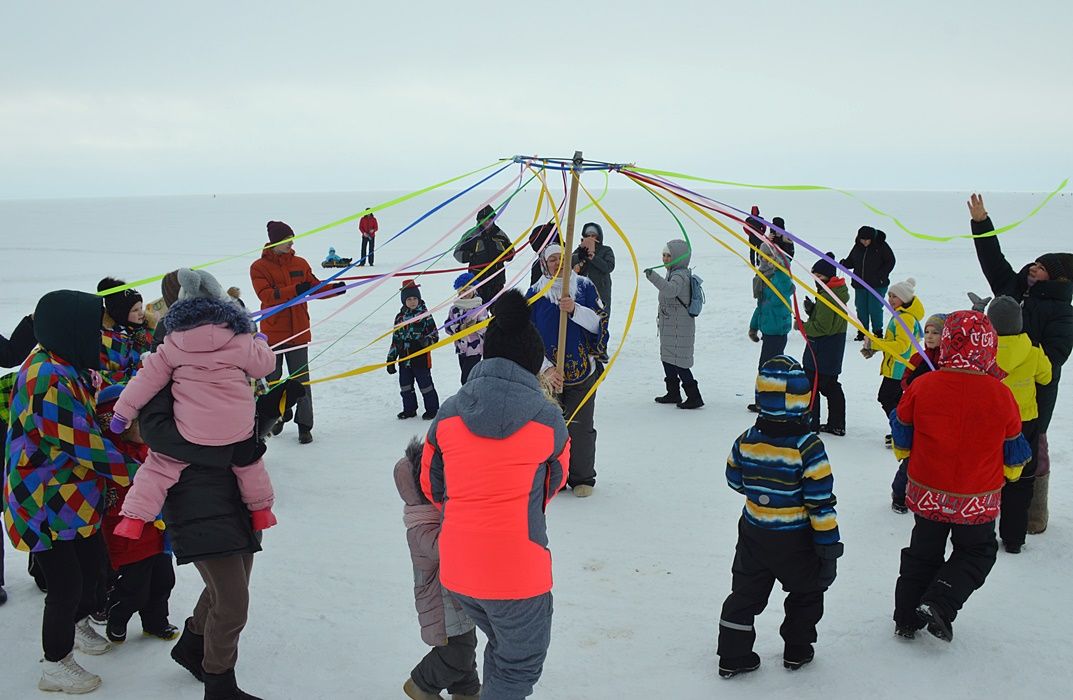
(274, 278)
(495, 456)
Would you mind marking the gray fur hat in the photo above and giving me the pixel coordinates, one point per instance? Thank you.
(199, 284)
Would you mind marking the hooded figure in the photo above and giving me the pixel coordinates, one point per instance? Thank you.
(676, 328)
(872, 260)
(598, 262)
(959, 459)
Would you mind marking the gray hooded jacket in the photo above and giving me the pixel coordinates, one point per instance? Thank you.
(677, 329)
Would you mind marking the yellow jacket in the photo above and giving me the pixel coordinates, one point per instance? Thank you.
(1026, 366)
(896, 346)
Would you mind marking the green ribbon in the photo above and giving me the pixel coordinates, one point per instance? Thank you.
(867, 205)
(319, 229)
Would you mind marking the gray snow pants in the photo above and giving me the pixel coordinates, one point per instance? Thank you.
(519, 633)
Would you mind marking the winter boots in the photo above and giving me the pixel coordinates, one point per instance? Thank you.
(67, 676)
(937, 622)
(413, 691)
(222, 686)
(728, 668)
(693, 399)
(1037, 511)
(189, 652)
(794, 656)
(674, 394)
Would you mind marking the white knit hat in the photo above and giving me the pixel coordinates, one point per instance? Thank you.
(906, 291)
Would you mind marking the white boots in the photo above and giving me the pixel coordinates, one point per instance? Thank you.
(67, 676)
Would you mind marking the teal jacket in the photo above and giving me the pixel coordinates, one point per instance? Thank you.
(772, 317)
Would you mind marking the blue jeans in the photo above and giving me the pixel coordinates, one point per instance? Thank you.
(519, 634)
(869, 308)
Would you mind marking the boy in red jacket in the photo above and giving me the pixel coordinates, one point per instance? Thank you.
(961, 430)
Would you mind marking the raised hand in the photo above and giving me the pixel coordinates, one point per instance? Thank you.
(977, 210)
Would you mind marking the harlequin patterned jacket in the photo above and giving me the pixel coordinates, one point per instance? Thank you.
(57, 458)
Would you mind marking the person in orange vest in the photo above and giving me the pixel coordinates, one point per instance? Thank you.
(368, 227)
(279, 276)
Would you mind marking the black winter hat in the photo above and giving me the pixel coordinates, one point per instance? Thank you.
(1005, 315)
(118, 304)
(409, 289)
(1057, 265)
(487, 213)
(866, 233)
(512, 335)
(825, 267)
(68, 324)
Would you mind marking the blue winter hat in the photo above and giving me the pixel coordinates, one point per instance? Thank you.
(783, 390)
(464, 279)
(109, 393)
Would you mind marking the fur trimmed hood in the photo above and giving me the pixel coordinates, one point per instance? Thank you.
(187, 314)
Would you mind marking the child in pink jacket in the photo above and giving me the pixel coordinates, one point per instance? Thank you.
(209, 355)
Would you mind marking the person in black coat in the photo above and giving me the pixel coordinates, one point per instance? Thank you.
(210, 526)
(1045, 290)
(871, 259)
(13, 352)
(597, 261)
(480, 247)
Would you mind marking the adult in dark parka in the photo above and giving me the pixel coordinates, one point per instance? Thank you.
(871, 259)
(597, 261)
(210, 526)
(1045, 290)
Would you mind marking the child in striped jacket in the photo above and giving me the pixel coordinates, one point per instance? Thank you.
(788, 531)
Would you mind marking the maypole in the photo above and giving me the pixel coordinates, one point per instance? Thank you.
(565, 259)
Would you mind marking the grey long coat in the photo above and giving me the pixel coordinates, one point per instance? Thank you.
(677, 329)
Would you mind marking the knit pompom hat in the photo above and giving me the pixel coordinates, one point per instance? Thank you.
(512, 335)
(906, 290)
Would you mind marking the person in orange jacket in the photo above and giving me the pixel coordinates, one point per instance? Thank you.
(279, 276)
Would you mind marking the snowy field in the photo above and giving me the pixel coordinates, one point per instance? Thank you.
(642, 567)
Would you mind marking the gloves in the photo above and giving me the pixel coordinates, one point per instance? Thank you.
(118, 424)
(130, 528)
(979, 304)
(828, 554)
(753, 335)
(262, 519)
(341, 286)
(392, 369)
(261, 336)
(809, 305)
(302, 288)
(247, 452)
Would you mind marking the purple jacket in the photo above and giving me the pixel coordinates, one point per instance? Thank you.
(457, 321)
(438, 612)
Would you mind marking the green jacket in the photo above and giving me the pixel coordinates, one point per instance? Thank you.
(823, 320)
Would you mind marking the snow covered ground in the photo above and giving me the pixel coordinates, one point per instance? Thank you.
(642, 567)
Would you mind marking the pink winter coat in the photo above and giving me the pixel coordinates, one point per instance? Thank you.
(439, 614)
(210, 368)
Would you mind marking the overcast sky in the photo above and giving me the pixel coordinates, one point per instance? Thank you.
(129, 98)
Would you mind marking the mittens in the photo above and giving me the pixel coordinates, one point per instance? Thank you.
(129, 528)
(263, 519)
(828, 554)
(118, 424)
